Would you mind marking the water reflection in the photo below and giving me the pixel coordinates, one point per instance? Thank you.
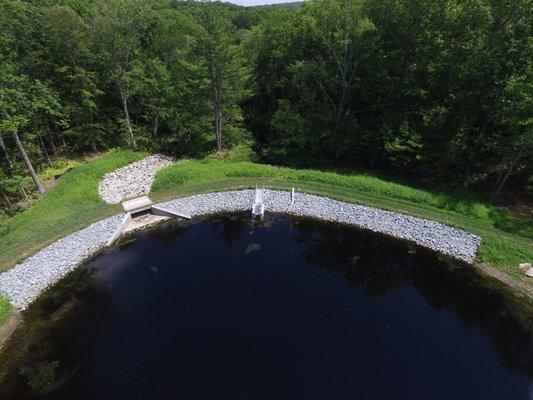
(380, 265)
(48, 351)
(33, 360)
(229, 228)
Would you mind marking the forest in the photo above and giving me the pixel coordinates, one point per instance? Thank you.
(425, 91)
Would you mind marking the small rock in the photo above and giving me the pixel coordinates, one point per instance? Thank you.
(527, 269)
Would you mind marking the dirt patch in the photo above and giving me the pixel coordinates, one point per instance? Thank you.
(524, 287)
(9, 327)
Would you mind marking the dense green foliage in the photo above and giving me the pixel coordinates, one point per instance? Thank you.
(78, 76)
(425, 89)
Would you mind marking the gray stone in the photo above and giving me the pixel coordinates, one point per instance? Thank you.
(527, 269)
(132, 180)
(23, 284)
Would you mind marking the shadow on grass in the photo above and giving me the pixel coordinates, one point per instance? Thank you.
(510, 223)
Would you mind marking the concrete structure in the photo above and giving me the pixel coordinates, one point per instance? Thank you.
(137, 204)
(258, 208)
(136, 217)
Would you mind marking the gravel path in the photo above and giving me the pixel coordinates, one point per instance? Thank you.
(23, 284)
(132, 180)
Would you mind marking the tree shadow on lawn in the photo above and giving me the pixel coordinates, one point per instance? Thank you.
(510, 223)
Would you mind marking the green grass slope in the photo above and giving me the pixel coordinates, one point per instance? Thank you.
(70, 205)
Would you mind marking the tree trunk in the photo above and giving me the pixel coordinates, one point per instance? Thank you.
(217, 111)
(34, 176)
(44, 149)
(10, 164)
(63, 140)
(340, 113)
(155, 128)
(24, 192)
(51, 138)
(217, 115)
(127, 117)
(54, 148)
(4, 148)
(215, 72)
(500, 183)
(6, 199)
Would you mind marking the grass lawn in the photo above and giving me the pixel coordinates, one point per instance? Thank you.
(5, 309)
(74, 203)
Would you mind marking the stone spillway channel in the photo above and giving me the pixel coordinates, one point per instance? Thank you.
(132, 180)
(26, 281)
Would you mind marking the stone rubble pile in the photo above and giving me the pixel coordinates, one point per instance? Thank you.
(132, 180)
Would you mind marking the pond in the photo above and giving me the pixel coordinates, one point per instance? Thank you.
(286, 308)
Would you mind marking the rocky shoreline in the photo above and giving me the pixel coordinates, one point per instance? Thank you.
(453, 242)
(26, 281)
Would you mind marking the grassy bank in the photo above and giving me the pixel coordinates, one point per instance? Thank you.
(69, 206)
(5, 309)
(74, 203)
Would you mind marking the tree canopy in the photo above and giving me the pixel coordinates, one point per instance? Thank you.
(437, 90)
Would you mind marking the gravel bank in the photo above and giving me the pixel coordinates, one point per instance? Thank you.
(132, 180)
(23, 284)
(433, 235)
(26, 281)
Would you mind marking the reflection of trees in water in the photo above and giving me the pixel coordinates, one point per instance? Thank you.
(34, 360)
(37, 361)
(229, 227)
(168, 233)
(380, 265)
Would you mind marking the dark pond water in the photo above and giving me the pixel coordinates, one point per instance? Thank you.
(284, 309)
